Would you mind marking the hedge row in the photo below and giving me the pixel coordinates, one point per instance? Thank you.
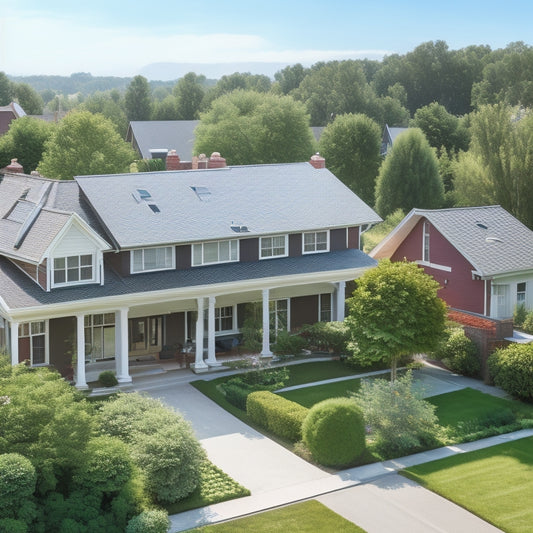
(277, 414)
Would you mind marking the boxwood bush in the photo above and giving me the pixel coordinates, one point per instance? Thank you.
(277, 414)
(459, 353)
(107, 379)
(511, 368)
(334, 432)
(150, 521)
(326, 336)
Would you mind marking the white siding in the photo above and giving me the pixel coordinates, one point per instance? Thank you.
(74, 242)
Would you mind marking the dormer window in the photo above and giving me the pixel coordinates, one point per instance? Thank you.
(315, 241)
(425, 243)
(73, 269)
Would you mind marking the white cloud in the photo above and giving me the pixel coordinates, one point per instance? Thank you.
(33, 44)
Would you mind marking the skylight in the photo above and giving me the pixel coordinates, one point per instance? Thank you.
(203, 193)
(154, 208)
(481, 225)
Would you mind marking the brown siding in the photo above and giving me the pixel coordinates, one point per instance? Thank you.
(183, 257)
(249, 249)
(120, 262)
(295, 244)
(460, 291)
(62, 343)
(353, 237)
(24, 349)
(337, 239)
(175, 329)
(27, 268)
(304, 310)
(41, 275)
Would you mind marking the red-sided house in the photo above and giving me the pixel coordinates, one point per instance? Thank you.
(482, 257)
(118, 266)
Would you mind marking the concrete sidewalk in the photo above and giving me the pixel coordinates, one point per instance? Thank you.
(277, 477)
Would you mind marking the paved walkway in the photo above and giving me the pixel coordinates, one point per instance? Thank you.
(373, 496)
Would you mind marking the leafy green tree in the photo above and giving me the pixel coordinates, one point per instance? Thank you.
(290, 77)
(29, 99)
(25, 141)
(441, 128)
(395, 312)
(497, 168)
(375, 235)
(138, 99)
(84, 143)
(110, 104)
(165, 109)
(6, 90)
(236, 81)
(189, 94)
(409, 176)
(350, 145)
(247, 127)
(47, 95)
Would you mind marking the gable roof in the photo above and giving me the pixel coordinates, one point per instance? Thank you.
(201, 205)
(178, 135)
(489, 238)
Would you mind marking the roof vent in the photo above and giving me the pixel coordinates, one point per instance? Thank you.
(493, 239)
(239, 228)
(481, 225)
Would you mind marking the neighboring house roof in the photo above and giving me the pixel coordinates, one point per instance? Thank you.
(491, 239)
(389, 136)
(178, 135)
(267, 199)
(19, 291)
(317, 132)
(9, 113)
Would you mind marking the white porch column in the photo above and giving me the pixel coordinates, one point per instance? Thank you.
(211, 355)
(265, 352)
(341, 297)
(121, 346)
(14, 342)
(199, 360)
(80, 352)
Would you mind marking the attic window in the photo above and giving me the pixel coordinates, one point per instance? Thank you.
(154, 208)
(203, 193)
(481, 225)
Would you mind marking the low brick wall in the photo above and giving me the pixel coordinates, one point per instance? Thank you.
(487, 333)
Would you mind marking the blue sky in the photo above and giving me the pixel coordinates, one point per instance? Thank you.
(119, 37)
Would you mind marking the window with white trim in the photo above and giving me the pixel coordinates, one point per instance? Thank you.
(208, 253)
(279, 315)
(36, 332)
(315, 241)
(425, 243)
(100, 336)
(150, 259)
(324, 307)
(224, 318)
(73, 269)
(273, 246)
(521, 293)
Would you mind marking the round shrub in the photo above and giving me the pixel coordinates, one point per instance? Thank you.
(334, 432)
(460, 354)
(107, 379)
(527, 325)
(511, 369)
(17, 480)
(151, 521)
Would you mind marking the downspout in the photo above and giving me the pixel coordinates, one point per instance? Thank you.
(368, 226)
(485, 297)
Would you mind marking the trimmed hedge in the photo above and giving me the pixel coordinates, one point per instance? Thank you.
(277, 414)
(334, 432)
(511, 369)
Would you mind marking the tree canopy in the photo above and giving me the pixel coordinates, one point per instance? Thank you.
(84, 143)
(248, 127)
(409, 176)
(395, 312)
(138, 99)
(350, 145)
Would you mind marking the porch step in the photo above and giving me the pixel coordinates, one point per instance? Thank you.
(93, 371)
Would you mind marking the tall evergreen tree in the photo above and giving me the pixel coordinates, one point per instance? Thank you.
(138, 99)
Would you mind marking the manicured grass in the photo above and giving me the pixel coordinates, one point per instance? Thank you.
(215, 487)
(494, 483)
(305, 517)
(460, 406)
(308, 396)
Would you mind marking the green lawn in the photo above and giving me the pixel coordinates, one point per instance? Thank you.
(494, 483)
(308, 396)
(306, 517)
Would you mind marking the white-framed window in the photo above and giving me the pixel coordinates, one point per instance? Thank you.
(150, 259)
(224, 318)
(324, 307)
(276, 246)
(315, 241)
(500, 301)
(208, 253)
(425, 243)
(36, 332)
(99, 336)
(521, 293)
(73, 269)
(279, 315)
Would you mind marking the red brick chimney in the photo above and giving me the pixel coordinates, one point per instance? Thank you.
(318, 161)
(173, 160)
(14, 167)
(216, 161)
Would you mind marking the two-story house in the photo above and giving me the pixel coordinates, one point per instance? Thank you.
(117, 266)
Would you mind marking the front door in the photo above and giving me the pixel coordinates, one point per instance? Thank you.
(145, 335)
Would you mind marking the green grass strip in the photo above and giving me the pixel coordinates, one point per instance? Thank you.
(308, 396)
(306, 517)
(495, 483)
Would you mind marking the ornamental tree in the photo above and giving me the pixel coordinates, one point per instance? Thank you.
(395, 312)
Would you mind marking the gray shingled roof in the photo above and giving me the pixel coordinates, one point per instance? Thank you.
(490, 238)
(19, 292)
(268, 199)
(170, 134)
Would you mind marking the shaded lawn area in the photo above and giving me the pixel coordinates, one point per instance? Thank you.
(308, 396)
(306, 517)
(494, 483)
